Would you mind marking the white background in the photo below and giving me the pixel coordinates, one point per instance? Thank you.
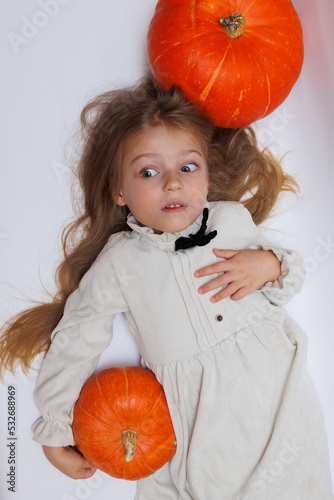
(65, 57)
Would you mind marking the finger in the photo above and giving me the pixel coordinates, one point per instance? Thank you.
(84, 473)
(81, 461)
(87, 472)
(225, 254)
(81, 468)
(231, 289)
(216, 268)
(220, 281)
(241, 293)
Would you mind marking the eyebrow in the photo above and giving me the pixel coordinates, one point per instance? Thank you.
(154, 155)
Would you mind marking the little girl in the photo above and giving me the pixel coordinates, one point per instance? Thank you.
(164, 239)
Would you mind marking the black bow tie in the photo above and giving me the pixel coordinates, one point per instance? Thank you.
(200, 238)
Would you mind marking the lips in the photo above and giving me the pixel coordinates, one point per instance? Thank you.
(174, 206)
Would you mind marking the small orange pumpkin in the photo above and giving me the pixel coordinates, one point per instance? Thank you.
(238, 59)
(122, 425)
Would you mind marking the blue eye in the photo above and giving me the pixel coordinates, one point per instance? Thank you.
(148, 172)
(190, 167)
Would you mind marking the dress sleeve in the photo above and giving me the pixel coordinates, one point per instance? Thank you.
(293, 273)
(84, 331)
(291, 279)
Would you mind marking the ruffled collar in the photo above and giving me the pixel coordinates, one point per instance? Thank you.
(165, 241)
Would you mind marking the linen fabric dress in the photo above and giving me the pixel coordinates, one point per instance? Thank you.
(245, 414)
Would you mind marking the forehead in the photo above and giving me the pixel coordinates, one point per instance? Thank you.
(163, 140)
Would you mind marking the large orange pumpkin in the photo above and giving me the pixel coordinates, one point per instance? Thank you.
(238, 58)
(122, 425)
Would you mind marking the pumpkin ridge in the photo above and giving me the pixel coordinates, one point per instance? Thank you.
(184, 41)
(155, 404)
(248, 7)
(269, 99)
(111, 412)
(143, 465)
(94, 416)
(85, 411)
(126, 383)
(167, 426)
(235, 114)
(149, 468)
(141, 450)
(268, 87)
(102, 396)
(209, 86)
(83, 441)
(167, 443)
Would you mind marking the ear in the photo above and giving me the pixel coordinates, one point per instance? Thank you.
(119, 198)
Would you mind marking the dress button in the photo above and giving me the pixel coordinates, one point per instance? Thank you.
(219, 317)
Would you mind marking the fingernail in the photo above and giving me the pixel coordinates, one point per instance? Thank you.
(196, 274)
(200, 290)
(213, 299)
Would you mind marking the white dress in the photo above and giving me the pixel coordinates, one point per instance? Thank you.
(245, 414)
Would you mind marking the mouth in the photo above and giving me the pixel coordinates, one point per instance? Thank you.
(174, 207)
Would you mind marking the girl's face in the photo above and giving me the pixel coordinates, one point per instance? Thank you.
(164, 179)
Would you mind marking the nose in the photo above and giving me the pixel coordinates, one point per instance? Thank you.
(172, 182)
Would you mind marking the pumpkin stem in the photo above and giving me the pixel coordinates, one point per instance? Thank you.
(234, 25)
(129, 439)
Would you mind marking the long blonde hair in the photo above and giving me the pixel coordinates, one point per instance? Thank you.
(238, 170)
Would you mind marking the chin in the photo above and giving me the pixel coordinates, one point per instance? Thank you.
(174, 226)
(177, 228)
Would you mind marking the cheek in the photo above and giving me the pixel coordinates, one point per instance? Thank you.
(206, 179)
(203, 186)
(139, 198)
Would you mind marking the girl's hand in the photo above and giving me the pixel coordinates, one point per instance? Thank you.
(69, 462)
(244, 271)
